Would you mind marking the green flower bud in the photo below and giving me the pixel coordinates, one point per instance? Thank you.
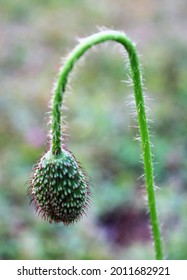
(59, 188)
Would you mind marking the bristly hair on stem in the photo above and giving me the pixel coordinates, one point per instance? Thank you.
(58, 187)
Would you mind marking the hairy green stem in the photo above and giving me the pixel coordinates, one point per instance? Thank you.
(78, 51)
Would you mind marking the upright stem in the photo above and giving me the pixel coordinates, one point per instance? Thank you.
(78, 51)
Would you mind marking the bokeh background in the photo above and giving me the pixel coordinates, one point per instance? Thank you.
(35, 35)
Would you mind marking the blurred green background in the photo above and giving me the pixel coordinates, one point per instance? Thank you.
(34, 36)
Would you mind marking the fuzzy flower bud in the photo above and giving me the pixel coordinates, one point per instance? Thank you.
(59, 188)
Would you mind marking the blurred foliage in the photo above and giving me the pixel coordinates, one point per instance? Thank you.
(34, 36)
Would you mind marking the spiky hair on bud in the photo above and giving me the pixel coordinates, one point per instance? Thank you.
(59, 188)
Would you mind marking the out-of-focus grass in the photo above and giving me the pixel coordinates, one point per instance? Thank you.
(34, 35)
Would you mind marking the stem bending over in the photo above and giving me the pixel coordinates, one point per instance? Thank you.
(56, 137)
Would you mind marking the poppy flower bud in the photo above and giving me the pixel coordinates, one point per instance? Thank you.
(59, 188)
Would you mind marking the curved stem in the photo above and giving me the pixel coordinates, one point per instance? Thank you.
(78, 51)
